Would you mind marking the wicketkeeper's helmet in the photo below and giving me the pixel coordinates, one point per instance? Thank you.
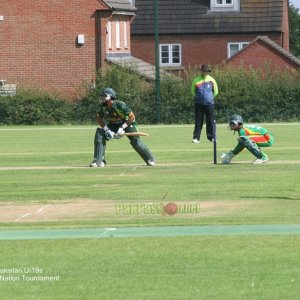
(236, 119)
(109, 92)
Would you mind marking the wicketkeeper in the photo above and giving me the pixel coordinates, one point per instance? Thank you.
(252, 137)
(115, 118)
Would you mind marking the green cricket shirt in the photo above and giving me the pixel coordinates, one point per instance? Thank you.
(117, 113)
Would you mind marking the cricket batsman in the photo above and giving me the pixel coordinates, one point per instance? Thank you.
(252, 137)
(115, 118)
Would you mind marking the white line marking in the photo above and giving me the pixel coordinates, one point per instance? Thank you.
(106, 230)
(24, 216)
(43, 129)
(140, 126)
(42, 208)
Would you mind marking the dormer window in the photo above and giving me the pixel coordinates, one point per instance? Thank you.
(224, 2)
(224, 5)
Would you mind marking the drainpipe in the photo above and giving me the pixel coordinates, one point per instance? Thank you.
(98, 41)
(157, 75)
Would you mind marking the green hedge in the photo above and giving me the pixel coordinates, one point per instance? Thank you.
(34, 108)
(259, 95)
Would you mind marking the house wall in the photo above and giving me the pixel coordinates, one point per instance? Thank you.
(260, 54)
(38, 44)
(196, 50)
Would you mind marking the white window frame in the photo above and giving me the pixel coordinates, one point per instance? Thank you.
(223, 4)
(241, 45)
(234, 5)
(118, 37)
(125, 35)
(170, 62)
(109, 32)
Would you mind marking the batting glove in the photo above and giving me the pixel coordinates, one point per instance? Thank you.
(109, 135)
(121, 130)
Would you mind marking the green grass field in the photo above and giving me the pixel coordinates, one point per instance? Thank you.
(46, 183)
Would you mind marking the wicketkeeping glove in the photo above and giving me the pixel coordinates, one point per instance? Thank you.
(227, 157)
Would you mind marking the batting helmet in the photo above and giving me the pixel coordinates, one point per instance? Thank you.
(109, 92)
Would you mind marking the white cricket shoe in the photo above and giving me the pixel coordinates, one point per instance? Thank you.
(151, 163)
(95, 165)
(260, 161)
(195, 141)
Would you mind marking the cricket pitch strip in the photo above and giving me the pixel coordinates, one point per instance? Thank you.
(91, 210)
(164, 231)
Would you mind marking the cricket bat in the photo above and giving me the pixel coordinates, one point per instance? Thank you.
(137, 133)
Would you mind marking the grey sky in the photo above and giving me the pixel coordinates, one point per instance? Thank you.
(296, 3)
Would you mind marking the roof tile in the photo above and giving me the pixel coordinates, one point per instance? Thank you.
(194, 16)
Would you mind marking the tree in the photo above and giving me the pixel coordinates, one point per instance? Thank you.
(294, 24)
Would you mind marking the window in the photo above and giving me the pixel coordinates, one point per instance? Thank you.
(225, 5)
(125, 35)
(233, 48)
(170, 54)
(224, 2)
(118, 37)
(109, 32)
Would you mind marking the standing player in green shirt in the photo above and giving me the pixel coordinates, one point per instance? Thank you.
(251, 137)
(115, 118)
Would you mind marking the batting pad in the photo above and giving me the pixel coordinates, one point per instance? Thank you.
(99, 145)
(252, 147)
(139, 146)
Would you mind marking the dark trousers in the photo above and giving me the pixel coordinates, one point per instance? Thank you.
(200, 112)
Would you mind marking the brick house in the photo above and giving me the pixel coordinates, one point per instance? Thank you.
(264, 52)
(193, 32)
(59, 45)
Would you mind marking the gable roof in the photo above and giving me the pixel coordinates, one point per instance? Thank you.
(293, 60)
(120, 5)
(195, 17)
